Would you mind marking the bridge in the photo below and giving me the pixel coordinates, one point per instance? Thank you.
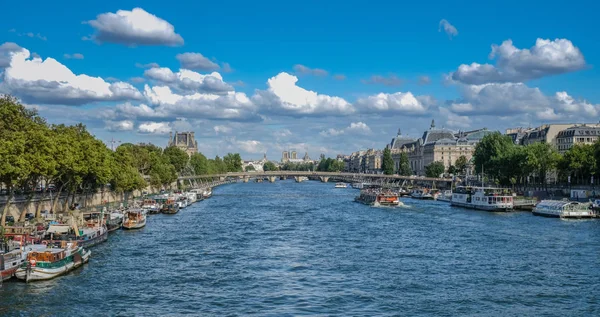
(272, 176)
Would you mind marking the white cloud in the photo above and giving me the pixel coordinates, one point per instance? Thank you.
(50, 82)
(124, 125)
(448, 28)
(189, 81)
(154, 128)
(135, 27)
(405, 103)
(303, 70)
(221, 129)
(73, 56)
(353, 128)
(547, 57)
(547, 114)
(149, 65)
(251, 146)
(390, 80)
(455, 121)
(6, 50)
(283, 133)
(285, 97)
(196, 61)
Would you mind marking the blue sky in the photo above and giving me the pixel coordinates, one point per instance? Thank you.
(400, 66)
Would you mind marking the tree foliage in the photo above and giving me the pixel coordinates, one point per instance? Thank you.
(461, 164)
(269, 166)
(387, 164)
(176, 157)
(404, 165)
(330, 165)
(434, 169)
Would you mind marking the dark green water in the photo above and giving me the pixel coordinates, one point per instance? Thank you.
(289, 249)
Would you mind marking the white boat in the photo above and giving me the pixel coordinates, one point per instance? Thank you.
(44, 263)
(10, 262)
(445, 196)
(564, 209)
(341, 185)
(134, 219)
(483, 198)
(191, 197)
(207, 193)
(424, 193)
(358, 185)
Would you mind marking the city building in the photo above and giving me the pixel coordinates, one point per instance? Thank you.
(436, 145)
(292, 157)
(578, 134)
(546, 133)
(184, 141)
(517, 134)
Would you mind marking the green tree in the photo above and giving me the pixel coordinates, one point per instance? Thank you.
(176, 157)
(461, 164)
(404, 168)
(250, 168)
(487, 152)
(269, 166)
(387, 164)
(199, 163)
(435, 169)
(541, 159)
(579, 162)
(233, 162)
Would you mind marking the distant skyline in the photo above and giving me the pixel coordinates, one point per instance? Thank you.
(332, 78)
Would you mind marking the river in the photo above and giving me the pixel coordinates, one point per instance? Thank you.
(289, 249)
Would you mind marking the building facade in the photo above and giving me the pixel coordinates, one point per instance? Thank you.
(184, 141)
(579, 134)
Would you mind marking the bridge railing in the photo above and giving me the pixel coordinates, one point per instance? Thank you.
(324, 174)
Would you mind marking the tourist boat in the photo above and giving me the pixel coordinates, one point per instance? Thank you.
(358, 185)
(424, 193)
(151, 206)
(341, 185)
(445, 196)
(483, 198)
(564, 209)
(134, 219)
(378, 198)
(10, 261)
(114, 221)
(402, 192)
(44, 263)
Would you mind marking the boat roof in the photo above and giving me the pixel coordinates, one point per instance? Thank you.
(558, 203)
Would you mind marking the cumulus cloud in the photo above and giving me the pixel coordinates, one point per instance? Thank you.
(50, 82)
(154, 128)
(250, 146)
(137, 80)
(353, 128)
(390, 80)
(196, 61)
(455, 121)
(135, 27)
(424, 80)
(149, 65)
(222, 129)
(124, 125)
(447, 28)
(303, 70)
(545, 58)
(189, 81)
(400, 102)
(73, 56)
(6, 51)
(284, 97)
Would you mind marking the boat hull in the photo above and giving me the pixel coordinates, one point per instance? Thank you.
(580, 215)
(134, 226)
(8, 273)
(40, 274)
(480, 207)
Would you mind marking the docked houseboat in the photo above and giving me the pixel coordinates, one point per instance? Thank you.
(134, 219)
(170, 207)
(424, 193)
(93, 232)
(445, 196)
(378, 198)
(341, 185)
(44, 263)
(151, 206)
(207, 193)
(10, 261)
(114, 221)
(564, 209)
(483, 198)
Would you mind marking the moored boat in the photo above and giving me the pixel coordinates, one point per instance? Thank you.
(134, 219)
(378, 198)
(170, 207)
(483, 198)
(114, 221)
(207, 193)
(564, 209)
(44, 263)
(424, 193)
(10, 262)
(151, 206)
(341, 185)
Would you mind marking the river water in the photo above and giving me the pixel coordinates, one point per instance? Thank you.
(289, 249)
